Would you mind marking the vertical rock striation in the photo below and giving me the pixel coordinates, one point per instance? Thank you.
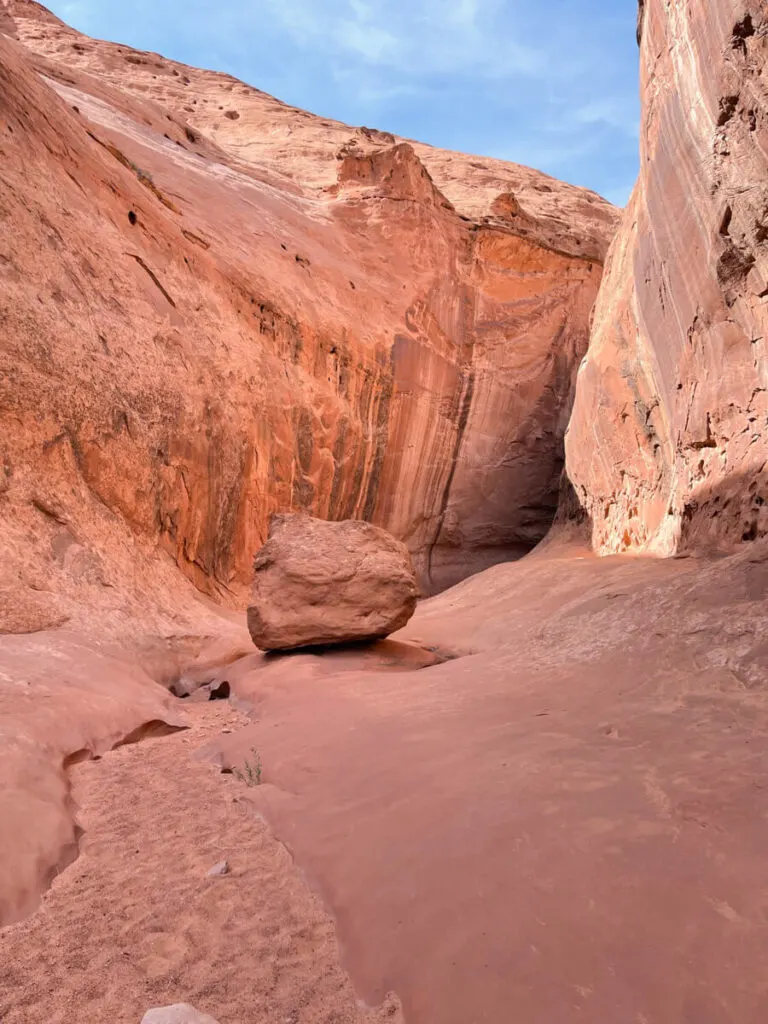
(668, 442)
(216, 307)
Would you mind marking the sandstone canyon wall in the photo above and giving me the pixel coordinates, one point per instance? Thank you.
(667, 446)
(215, 306)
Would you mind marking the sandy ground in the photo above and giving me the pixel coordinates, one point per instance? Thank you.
(135, 922)
(566, 824)
(543, 802)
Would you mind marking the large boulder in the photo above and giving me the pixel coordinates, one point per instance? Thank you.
(328, 583)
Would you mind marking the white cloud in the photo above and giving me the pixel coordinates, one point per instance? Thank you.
(416, 37)
(75, 12)
(614, 112)
(552, 153)
(464, 13)
(368, 40)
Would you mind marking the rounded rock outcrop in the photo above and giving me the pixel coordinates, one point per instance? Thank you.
(319, 583)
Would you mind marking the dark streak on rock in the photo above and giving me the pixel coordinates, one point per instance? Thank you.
(154, 277)
(339, 447)
(382, 436)
(305, 442)
(468, 383)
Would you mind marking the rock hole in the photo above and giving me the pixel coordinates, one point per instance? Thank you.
(132, 218)
(742, 30)
(727, 109)
(76, 758)
(219, 691)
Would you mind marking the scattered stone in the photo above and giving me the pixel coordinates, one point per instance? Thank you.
(220, 869)
(214, 690)
(319, 583)
(219, 691)
(178, 1013)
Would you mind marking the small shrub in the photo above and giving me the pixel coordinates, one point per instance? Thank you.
(250, 773)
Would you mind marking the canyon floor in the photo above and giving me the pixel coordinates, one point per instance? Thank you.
(541, 801)
(136, 922)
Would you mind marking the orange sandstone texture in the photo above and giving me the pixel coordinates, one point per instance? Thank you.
(668, 445)
(562, 817)
(317, 582)
(216, 306)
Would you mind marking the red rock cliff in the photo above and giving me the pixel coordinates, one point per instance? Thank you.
(668, 444)
(215, 306)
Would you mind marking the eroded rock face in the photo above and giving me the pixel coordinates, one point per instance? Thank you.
(216, 307)
(667, 446)
(205, 318)
(327, 583)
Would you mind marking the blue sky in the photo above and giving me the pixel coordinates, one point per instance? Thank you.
(547, 83)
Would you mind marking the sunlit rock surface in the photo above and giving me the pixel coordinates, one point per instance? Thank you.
(668, 445)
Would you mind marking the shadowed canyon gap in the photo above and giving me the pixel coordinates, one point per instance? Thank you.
(215, 306)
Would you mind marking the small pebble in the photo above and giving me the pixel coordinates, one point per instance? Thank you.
(222, 868)
(179, 1013)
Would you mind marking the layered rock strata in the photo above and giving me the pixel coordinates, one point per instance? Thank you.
(668, 443)
(217, 307)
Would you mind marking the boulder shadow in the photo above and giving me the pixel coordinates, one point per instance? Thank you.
(382, 655)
